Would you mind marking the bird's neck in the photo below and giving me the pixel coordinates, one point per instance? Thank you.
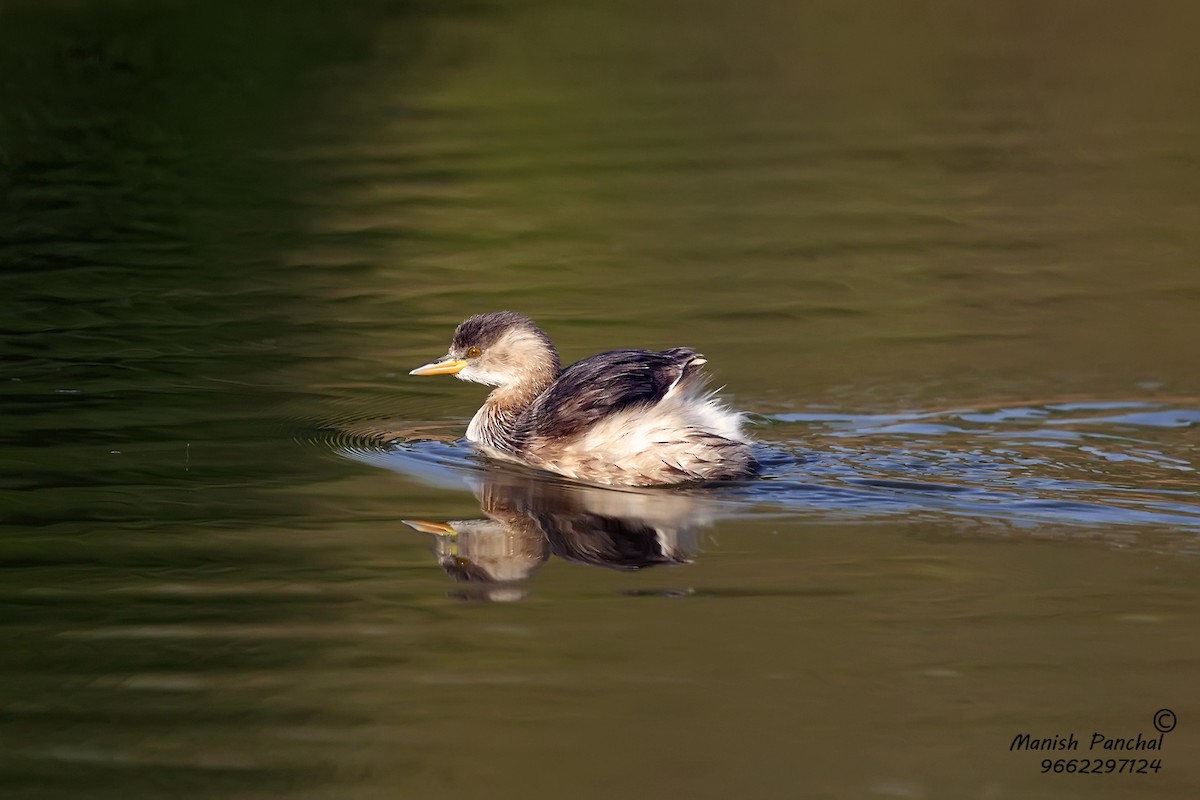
(496, 422)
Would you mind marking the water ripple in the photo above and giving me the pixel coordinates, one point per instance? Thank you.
(1024, 464)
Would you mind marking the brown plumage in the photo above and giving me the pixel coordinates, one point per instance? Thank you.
(626, 417)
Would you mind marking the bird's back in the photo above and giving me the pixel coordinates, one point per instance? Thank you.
(635, 417)
(605, 384)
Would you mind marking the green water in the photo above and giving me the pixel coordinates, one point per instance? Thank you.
(944, 255)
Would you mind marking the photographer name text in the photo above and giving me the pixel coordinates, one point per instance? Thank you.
(1099, 741)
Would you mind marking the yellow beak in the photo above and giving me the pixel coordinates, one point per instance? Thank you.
(447, 366)
(425, 526)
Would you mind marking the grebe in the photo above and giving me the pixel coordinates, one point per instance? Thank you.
(625, 417)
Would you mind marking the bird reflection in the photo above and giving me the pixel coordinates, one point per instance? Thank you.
(529, 519)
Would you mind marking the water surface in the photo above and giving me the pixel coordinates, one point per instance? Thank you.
(943, 256)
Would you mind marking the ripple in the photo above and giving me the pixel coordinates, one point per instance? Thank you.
(1024, 464)
(1179, 418)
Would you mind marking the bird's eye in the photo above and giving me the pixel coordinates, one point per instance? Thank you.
(473, 352)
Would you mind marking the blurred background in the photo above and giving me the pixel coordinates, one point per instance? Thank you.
(943, 253)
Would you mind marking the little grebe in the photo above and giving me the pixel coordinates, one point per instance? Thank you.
(625, 417)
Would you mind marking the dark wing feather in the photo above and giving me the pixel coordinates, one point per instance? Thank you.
(613, 542)
(604, 384)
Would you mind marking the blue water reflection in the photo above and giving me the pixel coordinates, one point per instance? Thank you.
(980, 466)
